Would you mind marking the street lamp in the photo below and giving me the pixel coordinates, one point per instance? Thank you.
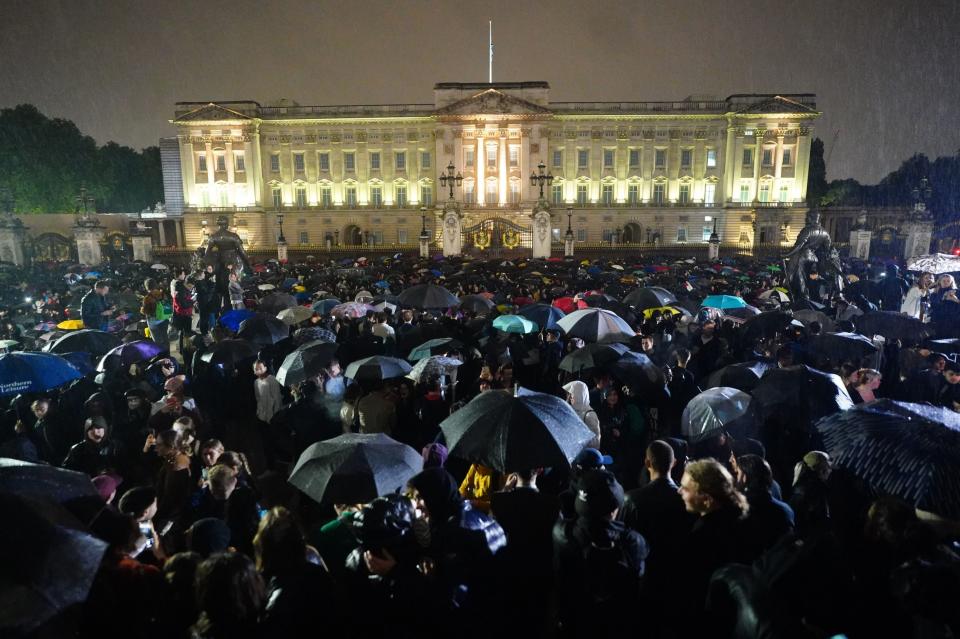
(424, 236)
(280, 238)
(83, 201)
(541, 178)
(921, 194)
(450, 178)
(568, 238)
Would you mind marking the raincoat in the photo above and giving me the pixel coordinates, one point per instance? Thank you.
(581, 404)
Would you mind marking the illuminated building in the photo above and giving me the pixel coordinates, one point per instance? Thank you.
(633, 172)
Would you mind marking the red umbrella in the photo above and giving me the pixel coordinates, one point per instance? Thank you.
(569, 304)
(522, 301)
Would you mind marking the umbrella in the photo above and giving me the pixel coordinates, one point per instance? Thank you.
(377, 368)
(49, 562)
(807, 316)
(306, 361)
(716, 411)
(842, 347)
(350, 309)
(935, 263)
(89, 340)
(510, 432)
(262, 330)
(596, 325)
(741, 376)
(71, 489)
(951, 345)
(802, 393)
(364, 297)
(774, 294)
(34, 372)
(767, 324)
(383, 305)
(83, 361)
(232, 319)
(428, 296)
(476, 303)
(264, 287)
(229, 352)
(70, 325)
(543, 315)
(295, 315)
(323, 307)
(592, 356)
(514, 324)
(355, 468)
(569, 304)
(276, 302)
(313, 334)
(433, 367)
(741, 314)
(638, 372)
(908, 450)
(894, 326)
(8, 343)
(160, 267)
(436, 346)
(130, 353)
(625, 312)
(723, 302)
(650, 297)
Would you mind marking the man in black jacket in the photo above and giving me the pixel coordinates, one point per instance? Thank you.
(94, 309)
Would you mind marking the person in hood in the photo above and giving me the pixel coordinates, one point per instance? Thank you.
(96, 453)
(578, 396)
(892, 289)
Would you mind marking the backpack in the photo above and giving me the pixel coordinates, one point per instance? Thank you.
(164, 310)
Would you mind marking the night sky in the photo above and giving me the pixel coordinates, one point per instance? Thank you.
(885, 71)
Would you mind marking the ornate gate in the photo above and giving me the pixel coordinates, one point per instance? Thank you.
(495, 236)
(53, 247)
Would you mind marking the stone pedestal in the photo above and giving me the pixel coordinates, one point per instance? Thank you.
(452, 230)
(860, 243)
(919, 235)
(542, 240)
(713, 250)
(282, 251)
(568, 246)
(142, 247)
(424, 245)
(328, 242)
(88, 244)
(12, 241)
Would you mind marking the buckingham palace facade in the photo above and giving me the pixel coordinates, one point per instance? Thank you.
(627, 172)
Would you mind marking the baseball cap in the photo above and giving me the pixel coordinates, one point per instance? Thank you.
(591, 458)
(599, 493)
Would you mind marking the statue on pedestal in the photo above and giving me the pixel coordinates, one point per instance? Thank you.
(223, 250)
(812, 251)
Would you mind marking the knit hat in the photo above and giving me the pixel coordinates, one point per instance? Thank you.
(209, 536)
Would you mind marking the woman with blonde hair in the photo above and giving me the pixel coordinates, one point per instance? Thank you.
(917, 299)
(864, 384)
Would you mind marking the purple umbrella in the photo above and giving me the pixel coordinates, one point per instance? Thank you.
(130, 353)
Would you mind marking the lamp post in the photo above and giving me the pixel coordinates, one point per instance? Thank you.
(84, 204)
(921, 194)
(920, 225)
(568, 238)
(541, 178)
(424, 236)
(713, 250)
(451, 179)
(336, 238)
(281, 240)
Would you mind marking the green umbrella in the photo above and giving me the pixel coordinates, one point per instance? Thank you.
(514, 324)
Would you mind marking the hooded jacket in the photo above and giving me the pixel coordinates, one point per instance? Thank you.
(581, 404)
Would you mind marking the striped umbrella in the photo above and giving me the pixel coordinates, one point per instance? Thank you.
(596, 325)
(911, 451)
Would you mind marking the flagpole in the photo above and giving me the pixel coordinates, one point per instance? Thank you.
(490, 65)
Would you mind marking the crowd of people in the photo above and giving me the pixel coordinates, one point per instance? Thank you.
(648, 531)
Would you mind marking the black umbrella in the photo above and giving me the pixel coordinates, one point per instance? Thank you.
(650, 297)
(229, 352)
(275, 302)
(355, 468)
(87, 340)
(306, 361)
(716, 411)
(908, 450)
(951, 345)
(476, 304)
(428, 296)
(438, 346)
(742, 376)
(510, 432)
(596, 325)
(767, 324)
(543, 315)
(377, 368)
(263, 331)
(637, 371)
(48, 562)
(800, 393)
(842, 347)
(622, 310)
(69, 488)
(592, 356)
(894, 326)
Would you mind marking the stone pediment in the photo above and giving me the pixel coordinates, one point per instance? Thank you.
(212, 112)
(492, 102)
(777, 104)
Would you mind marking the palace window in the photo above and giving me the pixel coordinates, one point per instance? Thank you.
(707, 232)
(608, 158)
(684, 193)
(491, 156)
(634, 158)
(298, 164)
(744, 193)
(606, 235)
(606, 194)
(324, 161)
(681, 234)
(277, 194)
(326, 197)
(583, 158)
(514, 192)
(202, 162)
(633, 194)
(581, 195)
(768, 156)
(401, 236)
(376, 197)
(468, 156)
(275, 162)
(492, 193)
(221, 162)
(709, 193)
(301, 196)
(557, 159)
(425, 159)
(747, 157)
(765, 192)
(468, 193)
(426, 195)
(349, 161)
(350, 198)
(304, 237)
(784, 193)
(660, 159)
(787, 156)
(376, 237)
(659, 193)
(375, 161)
(238, 163)
(401, 162)
(401, 196)
(581, 235)
(514, 156)
(556, 194)
(686, 158)
(711, 158)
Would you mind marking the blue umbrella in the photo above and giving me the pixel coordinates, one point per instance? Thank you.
(723, 301)
(34, 372)
(323, 307)
(302, 297)
(544, 315)
(514, 324)
(83, 361)
(289, 283)
(382, 284)
(233, 319)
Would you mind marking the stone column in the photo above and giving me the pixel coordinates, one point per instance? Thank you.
(88, 233)
(424, 244)
(13, 236)
(142, 243)
(919, 236)
(480, 159)
(541, 230)
(282, 253)
(860, 243)
(451, 221)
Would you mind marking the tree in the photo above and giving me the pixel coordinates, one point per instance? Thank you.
(45, 161)
(816, 174)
